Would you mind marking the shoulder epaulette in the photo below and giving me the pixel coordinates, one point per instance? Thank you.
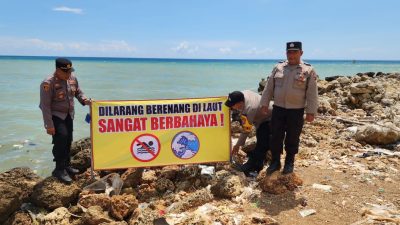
(48, 79)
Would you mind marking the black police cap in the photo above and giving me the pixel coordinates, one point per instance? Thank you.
(234, 98)
(294, 45)
(64, 64)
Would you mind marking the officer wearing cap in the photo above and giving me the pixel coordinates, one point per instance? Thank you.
(57, 94)
(248, 104)
(293, 87)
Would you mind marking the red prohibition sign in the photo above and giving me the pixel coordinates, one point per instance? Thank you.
(145, 147)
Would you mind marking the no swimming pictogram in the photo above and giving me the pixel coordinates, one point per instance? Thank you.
(145, 147)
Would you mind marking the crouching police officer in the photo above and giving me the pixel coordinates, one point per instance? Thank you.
(293, 87)
(57, 94)
(248, 105)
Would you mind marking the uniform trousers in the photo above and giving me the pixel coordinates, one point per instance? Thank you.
(257, 156)
(62, 139)
(286, 126)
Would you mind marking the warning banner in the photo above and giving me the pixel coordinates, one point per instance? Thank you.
(159, 132)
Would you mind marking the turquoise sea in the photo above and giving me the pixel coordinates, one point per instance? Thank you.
(24, 142)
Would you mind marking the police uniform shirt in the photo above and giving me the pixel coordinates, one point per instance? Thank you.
(252, 111)
(292, 87)
(57, 98)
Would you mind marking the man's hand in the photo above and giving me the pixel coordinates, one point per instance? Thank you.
(235, 149)
(88, 101)
(51, 131)
(264, 109)
(310, 117)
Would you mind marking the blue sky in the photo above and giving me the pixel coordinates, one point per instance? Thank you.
(243, 29)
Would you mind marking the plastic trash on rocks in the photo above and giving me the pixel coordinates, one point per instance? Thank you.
(110, 184)
(379, 214)
(326, 188)
(307, 212)
(208, 170)
(378, 152)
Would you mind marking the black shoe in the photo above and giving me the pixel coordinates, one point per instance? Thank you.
(288, 168)
(62, 175)
(275, 166)
(289, 164)
(249, 169)
(72, 171)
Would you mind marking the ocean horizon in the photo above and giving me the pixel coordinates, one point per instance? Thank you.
(24, 142)
(94, 58)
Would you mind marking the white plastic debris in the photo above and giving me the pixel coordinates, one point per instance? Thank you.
(307, 212)
(206, 209)
(352, 130)
(17, 146)
(209, 170)
(377, 152)
(377, 213)
(110, 184)
(323, 187)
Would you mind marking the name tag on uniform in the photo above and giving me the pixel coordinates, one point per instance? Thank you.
(300, 77)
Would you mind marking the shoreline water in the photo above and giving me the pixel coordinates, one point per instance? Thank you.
(23, 140)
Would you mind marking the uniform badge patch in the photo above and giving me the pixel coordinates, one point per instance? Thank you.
(46, 87)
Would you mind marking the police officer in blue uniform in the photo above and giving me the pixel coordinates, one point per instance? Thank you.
(57, 93)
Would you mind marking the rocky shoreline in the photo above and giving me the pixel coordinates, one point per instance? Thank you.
(355, 138)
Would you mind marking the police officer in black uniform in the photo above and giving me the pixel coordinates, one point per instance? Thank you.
(57, 94)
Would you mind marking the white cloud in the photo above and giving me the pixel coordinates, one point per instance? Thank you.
(36, 46)
(256, 51)
(218, 44)
(68, 10)
(104, 46)
(226, 50)
(185, 47)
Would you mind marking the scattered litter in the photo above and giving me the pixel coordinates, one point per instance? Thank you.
(209, 170)
(206, 209)
(381, 190)
(248, 194)
(377, 152)
(110, 184)
(307, 212)
(353, 129)
(379, 213)
(326, 188)
(143, 205)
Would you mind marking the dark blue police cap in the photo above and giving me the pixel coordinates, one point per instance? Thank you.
(294, 45)
(64, 64)
(233, 98)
